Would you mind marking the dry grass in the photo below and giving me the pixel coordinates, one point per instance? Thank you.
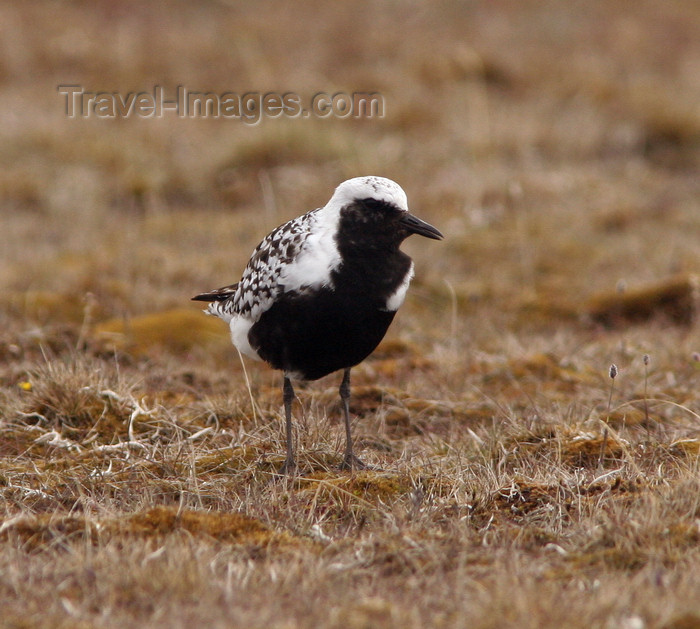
(556, 144)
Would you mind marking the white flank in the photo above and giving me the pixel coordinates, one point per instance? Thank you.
(319, 256)
(393, 303)
(240, 326)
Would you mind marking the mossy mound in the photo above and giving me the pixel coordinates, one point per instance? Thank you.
(177, 330)
(42, 531)
(675, 299)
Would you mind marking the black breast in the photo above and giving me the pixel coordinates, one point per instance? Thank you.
(316, 333)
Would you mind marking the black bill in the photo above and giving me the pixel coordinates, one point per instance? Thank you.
(417, 226)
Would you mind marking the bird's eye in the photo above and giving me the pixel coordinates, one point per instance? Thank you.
(375, 204)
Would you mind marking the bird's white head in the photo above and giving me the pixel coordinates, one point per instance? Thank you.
(373, 211)
(378, 188)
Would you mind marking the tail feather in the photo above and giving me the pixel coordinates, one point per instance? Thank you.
(220, 294)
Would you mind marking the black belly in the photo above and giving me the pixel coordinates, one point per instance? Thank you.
(316, 334)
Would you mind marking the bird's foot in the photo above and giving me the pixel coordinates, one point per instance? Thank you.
(288, 467)
(352, 462)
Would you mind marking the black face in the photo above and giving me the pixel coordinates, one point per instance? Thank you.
(372, 224)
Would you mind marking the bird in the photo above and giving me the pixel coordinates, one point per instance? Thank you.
(320, 291)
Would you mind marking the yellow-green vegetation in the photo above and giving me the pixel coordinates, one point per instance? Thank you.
(516, 483)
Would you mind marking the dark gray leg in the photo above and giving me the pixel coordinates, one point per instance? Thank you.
(289, 464)
(350, 461)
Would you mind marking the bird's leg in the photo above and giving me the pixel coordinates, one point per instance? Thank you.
(350, 461)
(288, 396)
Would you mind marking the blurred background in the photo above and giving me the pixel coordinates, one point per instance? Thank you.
(555, 143)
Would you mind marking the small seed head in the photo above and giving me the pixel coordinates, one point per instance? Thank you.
(613, 371)
(645, 358)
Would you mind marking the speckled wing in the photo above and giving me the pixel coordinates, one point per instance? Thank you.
(260, 283)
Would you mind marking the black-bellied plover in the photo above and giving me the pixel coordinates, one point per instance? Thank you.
(319, 292)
